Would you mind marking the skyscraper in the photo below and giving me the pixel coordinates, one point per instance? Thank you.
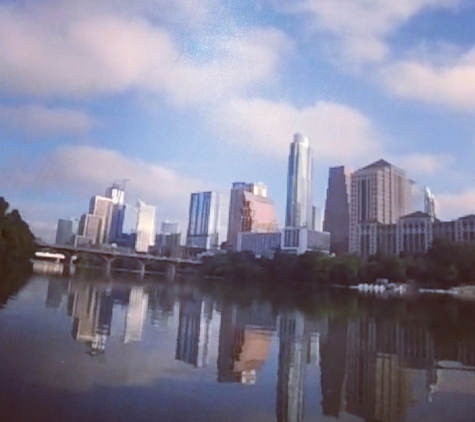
(117, 194)
(249, 211)
(66, 231)
(380, 193)
(429, 203)
(299, 184)
(145, 227)
(169, 227)
(337, 209)
(203, 221)
(102, 207)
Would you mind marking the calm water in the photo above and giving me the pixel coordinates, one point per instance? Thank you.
(83, 350)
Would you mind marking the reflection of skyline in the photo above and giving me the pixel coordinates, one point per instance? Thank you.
(136, 313)
(92, 313)
(194, 319)
(371, 368)
(244, 341)
(292, 360)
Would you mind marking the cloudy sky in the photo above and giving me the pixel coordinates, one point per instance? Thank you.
(187, 95)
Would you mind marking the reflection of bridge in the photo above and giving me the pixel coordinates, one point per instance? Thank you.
(108, 256)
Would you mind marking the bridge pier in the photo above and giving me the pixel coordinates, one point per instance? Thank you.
(170, 273)
(106, 267)
(142, 269)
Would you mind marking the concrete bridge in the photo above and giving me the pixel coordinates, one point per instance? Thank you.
(109, 255)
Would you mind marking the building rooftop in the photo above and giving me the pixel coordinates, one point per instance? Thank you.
(417, 214)
(378, 164)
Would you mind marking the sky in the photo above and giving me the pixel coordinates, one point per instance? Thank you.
(192, 95)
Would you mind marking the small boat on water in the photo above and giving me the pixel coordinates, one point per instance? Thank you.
(383, 287)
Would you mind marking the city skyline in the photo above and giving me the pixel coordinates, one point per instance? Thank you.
(193, 97)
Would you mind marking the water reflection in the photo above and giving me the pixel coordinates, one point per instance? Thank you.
(372, 362)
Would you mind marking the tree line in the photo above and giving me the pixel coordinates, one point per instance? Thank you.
(444, 265)
(17, 243)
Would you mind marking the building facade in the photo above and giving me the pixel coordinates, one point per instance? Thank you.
(89, 230)
(380, 193)
(412, 234)
(249, 211)
(169, 227)
(145, 227)
(299, 184)
(66, 230)
(337, 209)
(203, 221)
(102, 207)
(116, 193)
(260, 244)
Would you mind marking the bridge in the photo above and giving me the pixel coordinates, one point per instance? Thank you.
(110, 255)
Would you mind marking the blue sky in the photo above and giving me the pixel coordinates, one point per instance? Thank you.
(185, 96)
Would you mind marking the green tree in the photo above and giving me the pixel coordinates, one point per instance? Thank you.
(17, 243)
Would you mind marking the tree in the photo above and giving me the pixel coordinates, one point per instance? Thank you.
(17, 243)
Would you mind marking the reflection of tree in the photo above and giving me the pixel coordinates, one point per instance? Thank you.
(11, 281)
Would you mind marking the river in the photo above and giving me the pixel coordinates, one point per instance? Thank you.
(88, 349)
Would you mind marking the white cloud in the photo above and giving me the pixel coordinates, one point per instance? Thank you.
(51, 53)
(361, 27)
(421, 164)
(451, 83)
(338, 133)
(36, 121)
(454, 205)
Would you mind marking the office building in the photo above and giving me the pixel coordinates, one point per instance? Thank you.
(203, 225)
(102, 207)
(299, 184)
(429, 203)
(413, 234)
(249, 211)
(66, 230)
(260, 244)
(116, 193)
(145, 227)
(169, 227)
(380, 193)
(89, 230)
(316, 219)
(337, 209)
(167, 245)
(300, 240)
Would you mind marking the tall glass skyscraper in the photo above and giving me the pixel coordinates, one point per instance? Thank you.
(299, 184)
(145, 227)
(203, 221)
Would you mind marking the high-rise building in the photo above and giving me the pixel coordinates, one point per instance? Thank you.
(380, 193)
(169, 227)
(249, 211)
(337, 209)
(429, 203)
(117, 194)
(145, 227)
(203, 222)
(66, 231)
(89, 231)
(299, 184)
(102, 207)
